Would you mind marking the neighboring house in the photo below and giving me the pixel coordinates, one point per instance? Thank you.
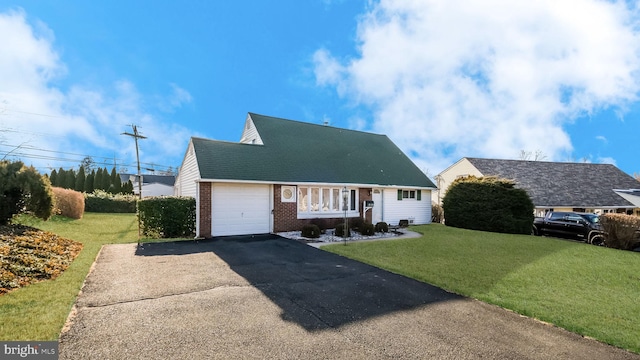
(152, 185)
(284, 174)
(559, 186)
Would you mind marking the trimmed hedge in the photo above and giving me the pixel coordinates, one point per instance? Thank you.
(367, 229)
(167, 217)
(382, 227)
(102, 202)
(311, 231)
(68, 203)
(340, 230)
(488, 204)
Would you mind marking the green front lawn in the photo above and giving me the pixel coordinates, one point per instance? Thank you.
(590, 290)
(38, 311)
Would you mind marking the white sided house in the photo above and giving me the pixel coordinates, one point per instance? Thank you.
(284, 174)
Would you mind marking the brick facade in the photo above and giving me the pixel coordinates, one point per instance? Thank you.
(285, 214)
(205, 209)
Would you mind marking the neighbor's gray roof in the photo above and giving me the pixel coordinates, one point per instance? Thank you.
(563, 184)
(151, 179)
(298, 152)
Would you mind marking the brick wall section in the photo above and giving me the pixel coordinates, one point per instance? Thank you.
(365, 194)
(285, 215)
(205, 209)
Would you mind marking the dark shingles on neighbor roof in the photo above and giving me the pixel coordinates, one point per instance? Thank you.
(151, 179)
(299, 152)
(562, 184)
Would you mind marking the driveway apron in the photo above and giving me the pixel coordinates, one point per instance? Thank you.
(266, 297)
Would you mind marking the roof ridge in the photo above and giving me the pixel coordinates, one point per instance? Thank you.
(314, 124)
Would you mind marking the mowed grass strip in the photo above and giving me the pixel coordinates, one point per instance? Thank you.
(593, 291)
(38, 311)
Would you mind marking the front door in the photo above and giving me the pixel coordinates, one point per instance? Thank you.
(376, 212)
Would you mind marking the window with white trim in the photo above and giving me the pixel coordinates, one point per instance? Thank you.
(409, 194)
(325, 201)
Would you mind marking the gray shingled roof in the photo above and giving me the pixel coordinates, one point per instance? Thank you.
(558, 184)
(299, 152)
(151, 179)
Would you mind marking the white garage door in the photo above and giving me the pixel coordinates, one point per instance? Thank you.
(239, 209)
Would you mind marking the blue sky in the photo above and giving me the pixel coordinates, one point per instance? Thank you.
(443, 80)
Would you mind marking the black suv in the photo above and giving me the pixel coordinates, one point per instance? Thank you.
(584, 226)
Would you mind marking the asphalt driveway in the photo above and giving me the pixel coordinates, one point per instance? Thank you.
(269, 297)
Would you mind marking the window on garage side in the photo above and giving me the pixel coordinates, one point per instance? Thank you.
(409, 194)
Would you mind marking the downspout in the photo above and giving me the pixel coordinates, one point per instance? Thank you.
(197, 209)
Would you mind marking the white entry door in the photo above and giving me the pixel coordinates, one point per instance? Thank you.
(376, 214)
(240, 209)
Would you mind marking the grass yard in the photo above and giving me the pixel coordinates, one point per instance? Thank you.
(38, 311)
(590, 290)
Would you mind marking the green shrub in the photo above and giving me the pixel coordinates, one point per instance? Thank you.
(68, 203)
(382, 227)
(340, 230)
(488, 204)
(367, 229)
(621, 231)
(311, 231)
(23, 189)
(101, 201)
(167, 217)
(356, 223)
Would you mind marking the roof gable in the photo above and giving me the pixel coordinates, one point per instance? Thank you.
(563, 184)
(294, 151)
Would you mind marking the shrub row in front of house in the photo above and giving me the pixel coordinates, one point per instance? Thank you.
(167, 217)
(313, 230)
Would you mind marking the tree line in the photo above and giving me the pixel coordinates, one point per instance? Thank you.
(88, 182)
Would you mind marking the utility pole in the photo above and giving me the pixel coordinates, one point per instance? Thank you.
(137, 136)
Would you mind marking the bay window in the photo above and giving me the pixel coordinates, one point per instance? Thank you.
(318, 201)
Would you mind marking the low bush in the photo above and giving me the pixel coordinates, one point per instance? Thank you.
(621, 231)
(382, 227)
(367, 229)
(101, 201)
(68, 203)
(356, 223)
(340, 230)
(167, 217)
(311, 231)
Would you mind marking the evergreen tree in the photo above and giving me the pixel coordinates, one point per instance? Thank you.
(97, 180)
(116, 183)
(88, 183)
(127, 188)
(70, 179)
(62, 178)
(53, 178)
(106, 180)
(80, 179)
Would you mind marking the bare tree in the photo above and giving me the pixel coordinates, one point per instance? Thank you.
(538, 155)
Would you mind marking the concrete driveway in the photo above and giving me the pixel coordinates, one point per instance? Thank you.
(268, 297)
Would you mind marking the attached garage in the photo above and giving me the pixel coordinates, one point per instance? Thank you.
(240, 209)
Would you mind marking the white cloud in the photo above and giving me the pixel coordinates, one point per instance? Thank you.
(447, 79)
(82, 120)
(602, 138)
